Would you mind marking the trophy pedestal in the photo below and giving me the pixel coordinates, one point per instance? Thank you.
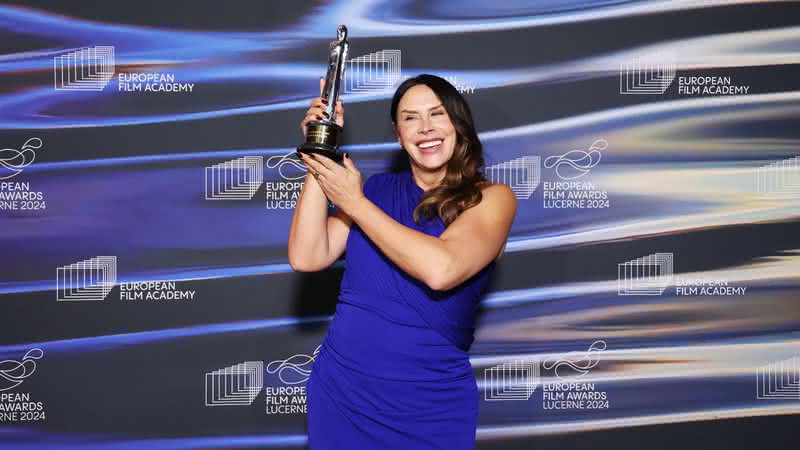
(323, 138)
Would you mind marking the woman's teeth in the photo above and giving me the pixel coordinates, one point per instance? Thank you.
(432, 145)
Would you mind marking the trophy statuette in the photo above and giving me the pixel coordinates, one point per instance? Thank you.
(324, 136)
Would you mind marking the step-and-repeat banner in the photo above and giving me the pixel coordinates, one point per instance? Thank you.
(650, 289)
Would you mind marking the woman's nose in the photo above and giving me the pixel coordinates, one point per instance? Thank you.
(426, 126)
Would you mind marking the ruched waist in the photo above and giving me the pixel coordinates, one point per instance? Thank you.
(388, 306)
(378, 334)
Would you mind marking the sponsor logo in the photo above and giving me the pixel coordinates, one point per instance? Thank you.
(87, 280)
(375, 73)
(17, 195)
(18, 406)
(86, 69)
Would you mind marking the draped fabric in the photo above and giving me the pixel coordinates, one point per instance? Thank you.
(451, 313)
(393, 370)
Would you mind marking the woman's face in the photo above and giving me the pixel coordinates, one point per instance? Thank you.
(424, 128)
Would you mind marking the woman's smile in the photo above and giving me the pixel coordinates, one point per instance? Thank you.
(430, 146)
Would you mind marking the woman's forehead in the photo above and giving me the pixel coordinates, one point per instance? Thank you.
(419, 97)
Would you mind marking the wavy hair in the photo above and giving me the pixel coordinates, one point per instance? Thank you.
(461, 187)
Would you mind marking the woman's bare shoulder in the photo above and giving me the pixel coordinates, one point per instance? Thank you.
(499, 195)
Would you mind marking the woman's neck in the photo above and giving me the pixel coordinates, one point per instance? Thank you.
(427, 180)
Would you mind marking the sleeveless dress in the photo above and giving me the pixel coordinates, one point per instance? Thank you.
(393, 370)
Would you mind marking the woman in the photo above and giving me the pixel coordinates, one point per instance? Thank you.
(393, 370)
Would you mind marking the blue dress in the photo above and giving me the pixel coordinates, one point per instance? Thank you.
(393, 370)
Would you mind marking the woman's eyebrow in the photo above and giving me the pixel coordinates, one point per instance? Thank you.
(414, 111)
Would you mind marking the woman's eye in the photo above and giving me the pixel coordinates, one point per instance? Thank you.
(409, 118)
(437, 113)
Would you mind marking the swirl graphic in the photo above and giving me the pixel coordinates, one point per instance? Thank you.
(296, 366)
(13, 373)
(576, 163)
(12, 161)
(579, 364)
(283, 161)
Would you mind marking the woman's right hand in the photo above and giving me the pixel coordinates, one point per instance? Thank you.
(317, 110)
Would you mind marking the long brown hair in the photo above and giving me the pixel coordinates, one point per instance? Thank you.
(461, 187)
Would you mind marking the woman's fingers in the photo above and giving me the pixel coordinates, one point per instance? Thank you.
(317, 111)
(314, 165)
(319, 102)
(312, 114)
(325, 161)
(307, 119)
(338, 113)
(321, 163)
(318, 107)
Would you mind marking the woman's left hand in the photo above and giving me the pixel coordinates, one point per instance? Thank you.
(341, 184)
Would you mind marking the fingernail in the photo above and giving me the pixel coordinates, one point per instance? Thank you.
(347, 155)
(324, 101)
(326, 114)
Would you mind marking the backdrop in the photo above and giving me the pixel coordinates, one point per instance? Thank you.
(650, 286)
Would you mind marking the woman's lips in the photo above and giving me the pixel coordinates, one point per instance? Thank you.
(431, 149)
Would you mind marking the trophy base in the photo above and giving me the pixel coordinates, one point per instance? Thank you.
(323, 138)
(327, 151)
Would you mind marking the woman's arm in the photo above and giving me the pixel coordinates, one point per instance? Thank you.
(468, 244)
(316, 240)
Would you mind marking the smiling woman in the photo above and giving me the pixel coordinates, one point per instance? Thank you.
(393, 370)
(434, 124)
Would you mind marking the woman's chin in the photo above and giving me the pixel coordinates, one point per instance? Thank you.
(432, 166)
(430, 161)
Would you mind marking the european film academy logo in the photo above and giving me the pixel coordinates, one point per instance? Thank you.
(779, 380)
(653, 75)
(515, 380)
(238, 179)
(461, 86)
(646, 76)
(87, 69)
(376, 72)
(780, 178)
(88, 280)
(653, 274)
(522, 175)
(91, 69)
(648, 275)
(235, 385)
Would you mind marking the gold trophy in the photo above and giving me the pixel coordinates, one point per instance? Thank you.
(324, 136)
